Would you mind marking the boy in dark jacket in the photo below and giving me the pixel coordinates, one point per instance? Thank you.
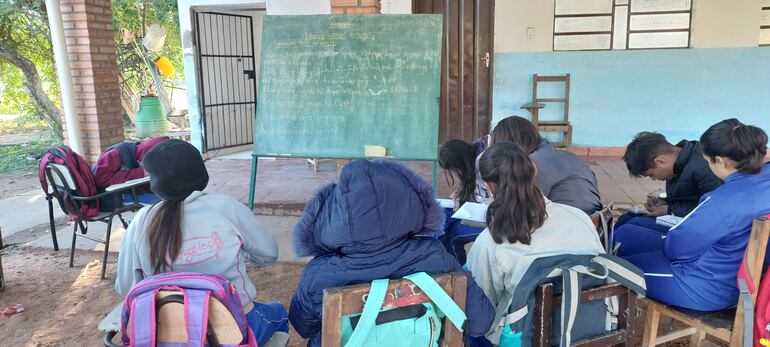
(379, 221)
(686, 173)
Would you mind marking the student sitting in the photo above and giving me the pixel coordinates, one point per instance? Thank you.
(458, 159)
(686, 173)
(523, 225)
(192, 231)
(561, 176)
(376, 222)
(695, 264)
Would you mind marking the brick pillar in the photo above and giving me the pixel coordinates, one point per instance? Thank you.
(356, 6)
(93, 61)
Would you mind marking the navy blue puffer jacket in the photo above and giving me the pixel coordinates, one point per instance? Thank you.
(374, 223)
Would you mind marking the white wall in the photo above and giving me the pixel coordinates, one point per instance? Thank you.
(715, 23)
(513, 17)
(298, 7)
(396, 6)
(719, 23)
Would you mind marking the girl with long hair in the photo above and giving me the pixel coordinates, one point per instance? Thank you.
(191, 231)
(458, 159)
(522, 224)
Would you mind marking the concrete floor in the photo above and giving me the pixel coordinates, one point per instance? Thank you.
(283, 187)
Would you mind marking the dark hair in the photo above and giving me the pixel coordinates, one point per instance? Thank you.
(746, 145)
(164, 232)
(458, 157)
(644, 148)
(518, 207)
(519, 131)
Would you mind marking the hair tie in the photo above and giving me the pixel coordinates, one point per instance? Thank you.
(736, 127)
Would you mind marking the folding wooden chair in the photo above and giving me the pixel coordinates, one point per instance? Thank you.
(63, 184)
(630, 315)
(726, 325)
(563, 125)
(343, 301)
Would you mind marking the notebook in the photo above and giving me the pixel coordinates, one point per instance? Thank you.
(668, 220)
(472, 214)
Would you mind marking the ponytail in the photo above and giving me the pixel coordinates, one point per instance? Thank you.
(458, 157)
(745, 145)
(518, 207)
(164, 232)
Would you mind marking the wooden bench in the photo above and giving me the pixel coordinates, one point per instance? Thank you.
(343, 301)
(726, 325)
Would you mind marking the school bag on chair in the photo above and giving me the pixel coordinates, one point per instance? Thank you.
(570, 274)
(412, 325)
(81, 173)
(200, 295)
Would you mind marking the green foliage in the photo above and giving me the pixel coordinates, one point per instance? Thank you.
(24, 27)
(137, 16)
(16, 158)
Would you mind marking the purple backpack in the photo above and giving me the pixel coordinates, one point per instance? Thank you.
(194, 292)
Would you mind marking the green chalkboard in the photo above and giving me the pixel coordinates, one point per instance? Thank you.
(331, 84)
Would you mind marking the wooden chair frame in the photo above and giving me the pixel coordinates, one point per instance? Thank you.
(537, 103)
(342, 301)
(60, 186)
(629, 320)
(698, 326)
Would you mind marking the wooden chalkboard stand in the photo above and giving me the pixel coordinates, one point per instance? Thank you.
(253, 180)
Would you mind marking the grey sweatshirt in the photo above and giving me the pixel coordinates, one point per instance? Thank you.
(565, 178)
(219, 234)
(498, 268)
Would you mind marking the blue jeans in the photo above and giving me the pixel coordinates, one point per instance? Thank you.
(640, 220)
(457, 235)
(266, 319)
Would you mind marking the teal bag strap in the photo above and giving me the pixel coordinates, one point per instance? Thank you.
(372, 307)
(440, 298)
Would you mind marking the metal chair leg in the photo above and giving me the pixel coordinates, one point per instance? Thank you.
(107, 245)
(53, 224)
(74, 236)
(123, 221)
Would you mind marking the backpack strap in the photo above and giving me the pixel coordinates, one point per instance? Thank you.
(144, 317)
(372, 307)
(142, 320)
(622, 271)
(569, 303)
(440, 298)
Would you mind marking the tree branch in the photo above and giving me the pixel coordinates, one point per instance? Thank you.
(33, 87)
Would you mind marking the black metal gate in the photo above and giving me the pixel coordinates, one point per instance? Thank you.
(227, 78)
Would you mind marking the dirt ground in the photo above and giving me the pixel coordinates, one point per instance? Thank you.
(63, 306)
(16, 183)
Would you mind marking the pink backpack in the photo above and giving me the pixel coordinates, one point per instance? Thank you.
(194, 292)
(81, 173)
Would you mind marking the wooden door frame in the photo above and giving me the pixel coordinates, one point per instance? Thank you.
(479, 129)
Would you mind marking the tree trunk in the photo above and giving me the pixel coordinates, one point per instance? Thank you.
(34, 88)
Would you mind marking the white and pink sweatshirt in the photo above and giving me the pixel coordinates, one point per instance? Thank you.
(219, 236)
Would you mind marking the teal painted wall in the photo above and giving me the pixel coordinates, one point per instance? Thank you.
(615, 94)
